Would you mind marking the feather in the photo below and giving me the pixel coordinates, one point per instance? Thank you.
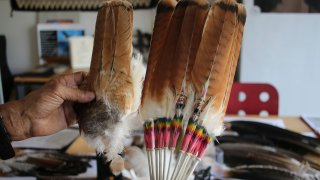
(216, 60)
(154, 103)
(280, 137)
(211, 77)
(266, 172)
(235, 55)
(189, 80)
(165, 10)
(215, 48)
(161, 75)
(239, 153)
(196, 39)
(116, 83)
(187, 42)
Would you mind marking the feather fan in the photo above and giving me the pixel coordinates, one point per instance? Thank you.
(189, 82)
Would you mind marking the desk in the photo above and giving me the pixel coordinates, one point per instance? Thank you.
(292, 123)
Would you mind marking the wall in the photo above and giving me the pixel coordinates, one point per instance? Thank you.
(284, 50)
(142, 19)
(20, 31)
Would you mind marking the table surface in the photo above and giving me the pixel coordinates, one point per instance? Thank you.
(296, 124)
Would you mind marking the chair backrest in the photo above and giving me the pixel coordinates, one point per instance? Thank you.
(256, 99)
(6, 76)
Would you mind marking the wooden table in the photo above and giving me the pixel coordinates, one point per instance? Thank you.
(292, 123)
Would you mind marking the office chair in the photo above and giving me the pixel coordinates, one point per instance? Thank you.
(6, 76)
(253, 99)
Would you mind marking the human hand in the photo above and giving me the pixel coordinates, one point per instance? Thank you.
(46, 110)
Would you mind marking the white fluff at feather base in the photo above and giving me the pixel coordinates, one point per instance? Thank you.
(107, 128)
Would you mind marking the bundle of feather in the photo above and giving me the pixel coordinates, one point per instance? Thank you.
(193, 57)
(297, 146)
(256, 150)
(115, 77)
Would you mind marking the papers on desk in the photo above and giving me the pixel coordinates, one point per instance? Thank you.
(271, 121)
(313, 122)
(55, 141)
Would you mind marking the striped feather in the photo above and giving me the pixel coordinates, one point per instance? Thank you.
(196, 39)
(165, 10)
(161, 76)
(190, 34)
(106, 120)
(97, 48)
(216, 61)
(110, 68)
(235, 57)
(161, 99)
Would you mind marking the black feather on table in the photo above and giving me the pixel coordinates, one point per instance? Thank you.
(253, 150)
(44, 163)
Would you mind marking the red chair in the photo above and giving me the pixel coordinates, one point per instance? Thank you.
(255, 99)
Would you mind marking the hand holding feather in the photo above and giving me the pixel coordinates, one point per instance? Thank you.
(106, 121)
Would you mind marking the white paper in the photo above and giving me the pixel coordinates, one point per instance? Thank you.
(310, 134)
(55, 141)
(81, 51)
(271, 121)
(313, 122)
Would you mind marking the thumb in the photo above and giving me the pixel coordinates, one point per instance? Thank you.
(74, 94)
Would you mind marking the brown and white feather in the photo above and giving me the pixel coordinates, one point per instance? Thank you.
(216, 60)
(113, 79)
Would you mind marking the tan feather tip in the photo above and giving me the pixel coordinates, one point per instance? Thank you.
(114, 3)
(242, 14)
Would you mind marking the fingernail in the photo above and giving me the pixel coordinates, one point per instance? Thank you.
(91, 95)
